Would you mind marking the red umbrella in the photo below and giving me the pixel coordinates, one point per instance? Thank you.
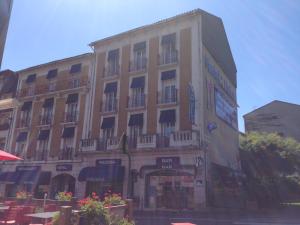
(7, 156)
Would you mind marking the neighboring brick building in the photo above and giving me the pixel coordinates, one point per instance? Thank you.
(170, 86)
(8, 86)
(276, 117)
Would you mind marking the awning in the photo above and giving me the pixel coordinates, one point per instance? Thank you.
(108, 122)
(167, 116)
(136, 120)
(29, 177)
(111, 87)
(48, 103)
(169, 39)
(26, 106)
(31, 78)
(22, 137)
(68, 132)
(104, 173)
(76, 68)
(139, 46)
(113, 54)
(72, 98)
(168, 75)
(51, 74)
(44, 135)
(138, 82)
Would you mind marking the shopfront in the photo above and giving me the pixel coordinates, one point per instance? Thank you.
(169, 185)
(106, 175)
(62, 183)
(26, 178)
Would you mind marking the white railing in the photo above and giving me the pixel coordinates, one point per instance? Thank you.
(184, 138)
(112, 143)
(88, 145)
(146, 141)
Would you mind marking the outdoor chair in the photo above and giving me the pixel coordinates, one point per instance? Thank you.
(50, 208)
(23, 219)
(11, 216)
(10, 203)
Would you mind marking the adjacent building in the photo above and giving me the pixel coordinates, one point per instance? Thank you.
(8, 86)
(5, 10)
(168, 87)
(276, 117)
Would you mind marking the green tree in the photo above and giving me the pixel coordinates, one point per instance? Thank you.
(271, 165)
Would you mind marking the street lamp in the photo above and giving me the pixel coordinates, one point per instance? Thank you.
(125, 151)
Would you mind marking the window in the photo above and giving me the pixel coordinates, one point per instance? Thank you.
(107, 126)
(75, 83)
(76, 68)
(139, 54)
(21, 143)
(167, 120)
(137, 98)
(52, 86)
(43, 140)
(72, 105)
(67, 143)
(169, 91)
(113, 62)
(110, 100)
(47, 111)
(25, 114)
(136, 122)
(52, 74)
(169, 53)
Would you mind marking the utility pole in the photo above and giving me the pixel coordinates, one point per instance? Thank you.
(126, 152)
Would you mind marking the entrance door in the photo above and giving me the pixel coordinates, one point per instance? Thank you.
(62, 183)
(170, 190)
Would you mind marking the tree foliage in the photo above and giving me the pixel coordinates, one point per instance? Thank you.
(271, 166)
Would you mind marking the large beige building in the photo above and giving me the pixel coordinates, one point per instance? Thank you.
(169, 86)
(5, 10)
(276, 117)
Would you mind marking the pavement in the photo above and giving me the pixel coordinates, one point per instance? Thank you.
(218, 218)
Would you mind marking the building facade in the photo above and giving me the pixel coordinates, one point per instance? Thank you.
(275, 117)
(5, 10)
(156, 118)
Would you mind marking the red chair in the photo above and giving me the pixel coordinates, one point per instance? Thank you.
(23, 219)
(11, 216)
(10, 203)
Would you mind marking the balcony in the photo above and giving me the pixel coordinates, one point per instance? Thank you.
(146, 141)
(110, 105)
(41, 155)
(167, 97)
(88, 145)
(168, 57)
(138, 65)
(111, 71)
(71, 117)
(184, 138)
(56, 86)
(66, 153)
(136, 101)
(46, 119)
(102, 144)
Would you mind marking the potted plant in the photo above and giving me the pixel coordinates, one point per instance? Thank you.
(93, 211)
(115, 204)
(64, 198)
(22, 196)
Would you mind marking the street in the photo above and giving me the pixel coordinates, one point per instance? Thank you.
(255, 219)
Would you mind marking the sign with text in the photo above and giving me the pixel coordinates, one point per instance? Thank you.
(64, 167)
(28, 168)
(168, 162)
(108, 162)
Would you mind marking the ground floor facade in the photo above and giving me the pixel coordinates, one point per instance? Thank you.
(168, 180)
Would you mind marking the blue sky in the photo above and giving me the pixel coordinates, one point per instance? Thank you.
(264, 36)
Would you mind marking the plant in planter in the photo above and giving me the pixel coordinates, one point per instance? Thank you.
(21, 195)
(64, 196)
(125, 221)
(93, 211)
(112, 199)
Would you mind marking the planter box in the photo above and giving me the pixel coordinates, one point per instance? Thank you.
(118, 212)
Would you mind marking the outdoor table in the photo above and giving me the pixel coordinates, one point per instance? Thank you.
(43, 215)
(3, 208)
